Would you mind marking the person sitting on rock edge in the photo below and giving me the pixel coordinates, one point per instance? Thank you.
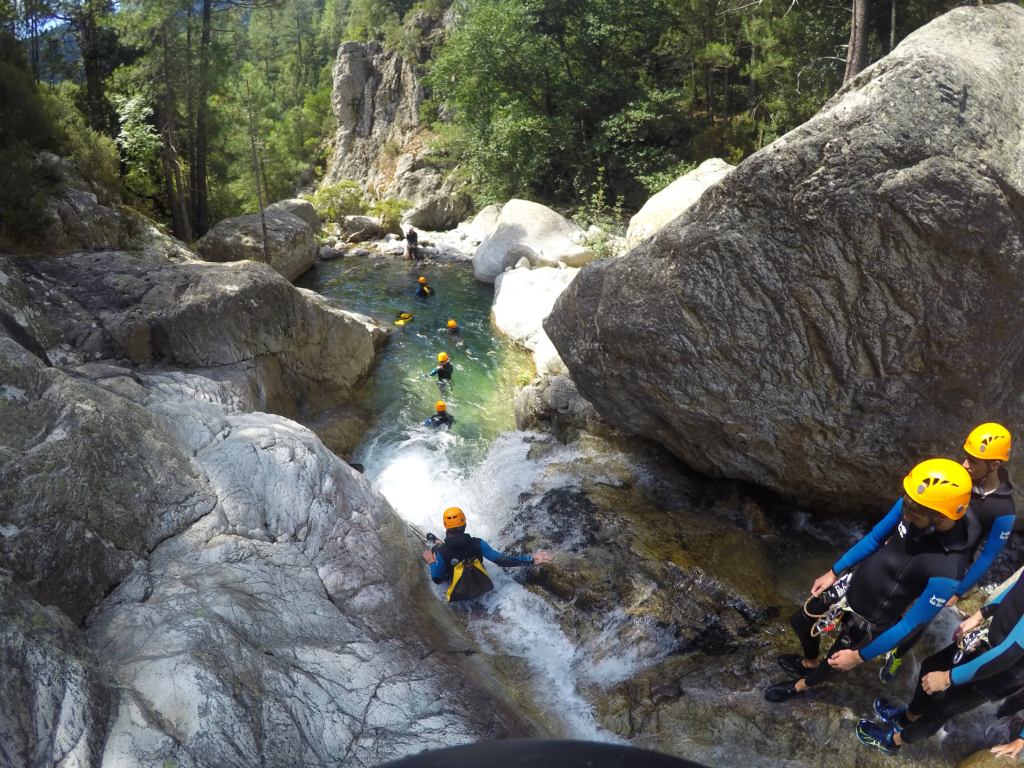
(442, 418)
(443, 371)
(458, 559)
(916, 556)
(424, 291)
(987, 447)
(958, 679)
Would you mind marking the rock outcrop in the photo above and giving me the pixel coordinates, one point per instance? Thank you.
(291, 244)
(530, 230)
(298, 207)
(522, 299)
(380, 141)
(674, 200)
(844, 303)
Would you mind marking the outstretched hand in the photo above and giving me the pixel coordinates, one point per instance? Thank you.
(1009, 750)
(822, 583)
(846, 660)
(965, 626)
(429, 556)
(541, 557)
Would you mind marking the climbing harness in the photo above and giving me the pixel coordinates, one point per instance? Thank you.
(830, 619)
(971, 641)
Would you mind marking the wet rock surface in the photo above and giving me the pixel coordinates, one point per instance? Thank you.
(809, 324)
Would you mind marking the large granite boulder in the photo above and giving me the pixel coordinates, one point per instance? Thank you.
(847, 301)
(674, 200)
(439, 202)
(291, 244)
(522, 299)
(298, 207)
(531, 230)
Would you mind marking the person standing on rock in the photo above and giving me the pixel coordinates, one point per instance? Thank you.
(412, 248)
(424, 291)
(914, 558)
(458, 559)
(985, 662)
(442, 418)
(987, 447)
(443, 371)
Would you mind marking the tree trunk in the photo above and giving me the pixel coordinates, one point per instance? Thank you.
(710, 85)
(752, 85)
(857, 53)
(89, 44)
(176, 200)
(892, 27)
(256, 171)
(190, 118)
(202, 193)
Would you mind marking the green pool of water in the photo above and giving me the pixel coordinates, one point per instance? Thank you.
(486, 365)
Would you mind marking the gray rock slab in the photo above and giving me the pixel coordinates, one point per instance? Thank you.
(291, 245)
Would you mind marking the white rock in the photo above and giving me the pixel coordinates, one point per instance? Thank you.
(522, 299)
(674, 200)
(523, 263)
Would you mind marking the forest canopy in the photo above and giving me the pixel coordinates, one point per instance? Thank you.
(166, 103)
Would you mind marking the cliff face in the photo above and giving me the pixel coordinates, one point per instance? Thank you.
(380, 141)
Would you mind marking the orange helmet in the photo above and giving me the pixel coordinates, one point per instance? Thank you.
(442, 357)
(941, 485)
(423, 280)
(453, 518)
(452, 323)
(441, 406)
(989, 441)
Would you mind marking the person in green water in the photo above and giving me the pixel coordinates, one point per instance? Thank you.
(442, 418)
(424, 291)
(458, 559)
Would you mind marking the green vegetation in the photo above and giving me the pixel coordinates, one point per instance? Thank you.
(336, 202)
(178, 108)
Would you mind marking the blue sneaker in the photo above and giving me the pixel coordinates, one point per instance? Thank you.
(890, 667)
(877, 737)
(889, 712)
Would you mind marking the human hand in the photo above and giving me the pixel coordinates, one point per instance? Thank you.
(934, 682)
(822, 583)
(844, 661)
(953, 601)
(967, 625)
(541, 557)
(429, 556)
(1009, 750)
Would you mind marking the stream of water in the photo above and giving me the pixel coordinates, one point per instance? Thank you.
(480, 465)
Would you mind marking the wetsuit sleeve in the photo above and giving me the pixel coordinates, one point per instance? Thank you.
(936, 593)
(870, 543)
(433, 372)
(505, 561)
(438, 570)
(427, 422)
(997, 537)
(989, 608)
(998, 659)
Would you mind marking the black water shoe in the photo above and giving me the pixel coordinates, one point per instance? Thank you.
(782, 691)
(794, 662)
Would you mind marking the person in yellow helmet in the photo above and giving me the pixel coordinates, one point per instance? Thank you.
(424, 291)
(442, 418)
(900, 575)
(987, 447)
(458, 559)
(443, 371)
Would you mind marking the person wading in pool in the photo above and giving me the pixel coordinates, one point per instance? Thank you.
(458, 559)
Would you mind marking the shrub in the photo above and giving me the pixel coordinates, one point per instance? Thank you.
(389, 212)
(336, 202)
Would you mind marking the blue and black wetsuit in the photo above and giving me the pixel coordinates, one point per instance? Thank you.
(444, 375)
(424, 291)
(995, 514)
(993, 672)
(900, 566)
(457, 554)
(440, 419)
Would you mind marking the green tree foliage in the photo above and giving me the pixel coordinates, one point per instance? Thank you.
(338, 201)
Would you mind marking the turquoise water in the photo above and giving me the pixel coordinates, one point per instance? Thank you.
(483, 383)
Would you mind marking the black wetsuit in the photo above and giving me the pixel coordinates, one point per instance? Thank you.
(440, 419)
(990, 673)
(413, 240)
(443, 372)
(912, 567)
(424, 291)
(995, 514)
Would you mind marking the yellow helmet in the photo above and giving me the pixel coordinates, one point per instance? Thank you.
(423, 280)
(441, 406)
(442, 357)
(453, 518)
(989, 441)
(941, 485)
(452, 323)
